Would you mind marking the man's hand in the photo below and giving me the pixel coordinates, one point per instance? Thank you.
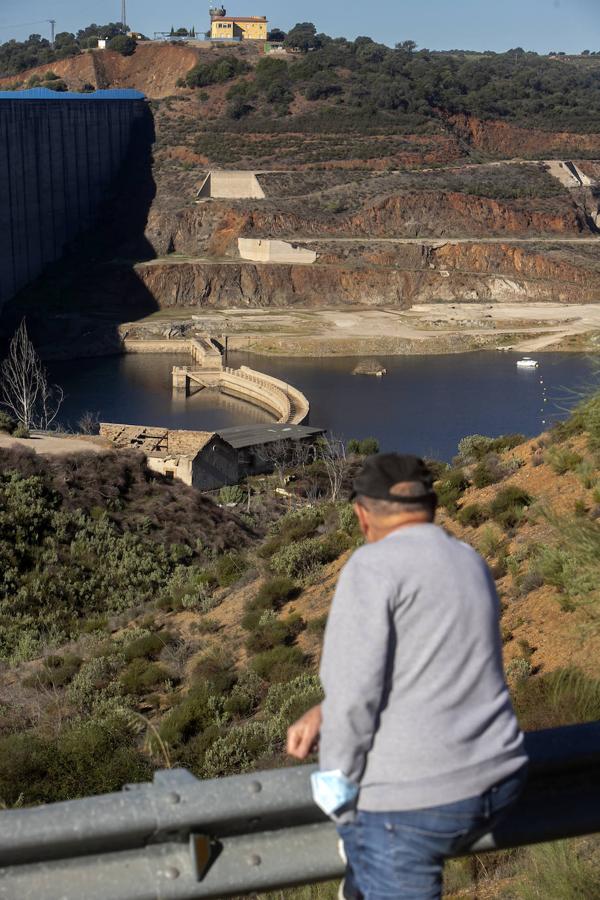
(303, 735)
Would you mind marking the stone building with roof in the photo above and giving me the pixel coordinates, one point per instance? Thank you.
(201, 459)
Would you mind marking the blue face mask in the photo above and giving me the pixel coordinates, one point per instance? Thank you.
(332, 791)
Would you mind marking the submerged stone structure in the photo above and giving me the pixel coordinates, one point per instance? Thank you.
(59, 152)
(286, 403)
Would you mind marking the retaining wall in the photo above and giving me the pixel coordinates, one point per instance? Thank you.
(232, 185)
(253, 388)
(166, 346)
(265, 250)
(299, 404)
(58, 155)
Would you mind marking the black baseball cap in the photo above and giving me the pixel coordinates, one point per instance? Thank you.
(384, 470)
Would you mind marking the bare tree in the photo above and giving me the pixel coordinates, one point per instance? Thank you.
(89, 423)
(24, 387)
(276, 456)
(332, 452)
(302, 453)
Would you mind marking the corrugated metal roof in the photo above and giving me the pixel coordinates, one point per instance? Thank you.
(240, 436)
(41, 93)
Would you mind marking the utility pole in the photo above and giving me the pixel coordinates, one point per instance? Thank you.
(52, 27)
(123, 13)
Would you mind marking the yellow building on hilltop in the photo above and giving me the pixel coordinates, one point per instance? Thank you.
(236, 28)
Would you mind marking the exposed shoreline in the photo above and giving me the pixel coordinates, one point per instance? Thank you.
(430, 329)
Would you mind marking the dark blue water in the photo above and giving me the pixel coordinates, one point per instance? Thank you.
(425, 404)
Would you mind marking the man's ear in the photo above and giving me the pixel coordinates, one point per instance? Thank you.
(362, 516)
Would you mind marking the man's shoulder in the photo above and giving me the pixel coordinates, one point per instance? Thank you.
(411, 545)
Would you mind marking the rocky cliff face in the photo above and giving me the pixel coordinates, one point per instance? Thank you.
(214, 228)
(506, 141)
(225, 285)
(422, 275)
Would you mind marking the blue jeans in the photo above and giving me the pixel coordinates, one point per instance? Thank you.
(400, 855)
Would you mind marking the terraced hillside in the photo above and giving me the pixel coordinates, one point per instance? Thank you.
(416, 178)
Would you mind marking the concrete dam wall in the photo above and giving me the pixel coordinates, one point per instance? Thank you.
(58, 155)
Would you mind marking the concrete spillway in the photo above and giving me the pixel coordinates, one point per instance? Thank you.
(58, 154)
(232, 185)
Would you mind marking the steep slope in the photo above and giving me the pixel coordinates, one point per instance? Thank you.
(354, 182)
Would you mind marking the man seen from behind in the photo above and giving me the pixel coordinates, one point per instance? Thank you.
(420, 751)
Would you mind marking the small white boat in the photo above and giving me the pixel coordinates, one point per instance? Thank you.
(527, 363)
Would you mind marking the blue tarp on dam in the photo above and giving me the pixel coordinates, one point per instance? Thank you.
(59, 152)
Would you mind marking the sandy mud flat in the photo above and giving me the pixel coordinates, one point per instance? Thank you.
(424, 329)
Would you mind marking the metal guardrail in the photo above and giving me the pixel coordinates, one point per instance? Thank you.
(180, 838)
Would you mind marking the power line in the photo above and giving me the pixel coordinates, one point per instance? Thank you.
(51, 22)
(27, 24)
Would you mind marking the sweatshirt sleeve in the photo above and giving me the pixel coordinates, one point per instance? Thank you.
(354, 666)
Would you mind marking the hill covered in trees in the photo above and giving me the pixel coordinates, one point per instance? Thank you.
(18, 56)
(368, 85)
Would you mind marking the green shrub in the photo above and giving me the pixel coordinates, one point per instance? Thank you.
(587, 472)
(587, 416)
(95, 682)
(237, 751)
(271, 595)
(292, 527)
(475, 447)
(218, 669)
(96, 623)
(347, 519)
(563, 460)
(572, 564)
(490, 541)
(223, 69)
(123, 44)
(279, 664)
(7, 423)
(557, 871)
(562, 697)
(473, 514)
(149, 646)
(142, 676)
(196, 712)
(192, 753)
(231, 493)
(287, 701)
(318, 625)
(229, 567)
(530, 581)
(21, 431)
(368, 446)
(509, 504)
(450, 489)
(518, 670)
(245, 696)
(491, 470)
(303, 558)
(86, 758)
(57, 671)
(272, 631)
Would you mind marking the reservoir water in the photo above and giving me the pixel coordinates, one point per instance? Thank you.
(424, 405)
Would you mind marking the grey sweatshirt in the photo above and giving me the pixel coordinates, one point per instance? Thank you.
(416, 707)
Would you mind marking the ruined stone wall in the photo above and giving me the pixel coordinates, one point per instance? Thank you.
(57, 158)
